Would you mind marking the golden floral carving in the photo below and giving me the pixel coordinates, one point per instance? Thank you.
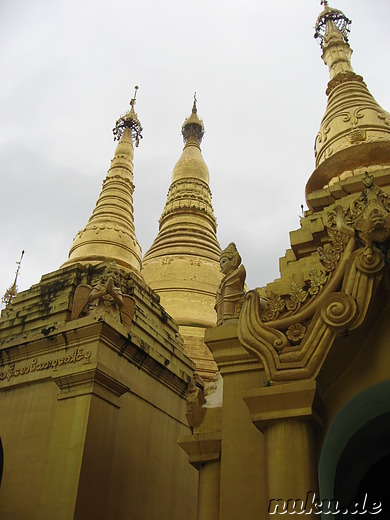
(330, 253)
(296, 332)
(275, 305)
(297, 296)
(357, 135)
(331, 313)
(317, 280)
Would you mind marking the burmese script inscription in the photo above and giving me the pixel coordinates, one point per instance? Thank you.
(76, 356)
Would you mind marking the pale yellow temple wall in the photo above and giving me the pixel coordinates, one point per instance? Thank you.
(97, 436)
(26, 423)
(369, 365)
(151, 477)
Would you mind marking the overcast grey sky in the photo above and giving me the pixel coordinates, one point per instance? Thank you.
(68, 70)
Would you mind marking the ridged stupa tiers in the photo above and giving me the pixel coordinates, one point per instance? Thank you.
(182, 265)
(110, 233)
(355, 130)
(187, 223)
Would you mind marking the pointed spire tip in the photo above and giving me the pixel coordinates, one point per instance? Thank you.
(194, 109)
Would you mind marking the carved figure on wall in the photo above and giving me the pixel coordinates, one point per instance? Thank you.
(195, 400)
(105, 296)
(370, 220)
(230, 293)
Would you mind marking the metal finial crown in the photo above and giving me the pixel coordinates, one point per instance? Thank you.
(336, 16)
(193, 126)
(129, 120)
(194, 109)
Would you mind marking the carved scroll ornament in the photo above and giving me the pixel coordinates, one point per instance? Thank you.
(294, 345)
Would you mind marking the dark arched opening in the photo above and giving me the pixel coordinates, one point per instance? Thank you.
(356, 447)
(359, 478)
(375, 487)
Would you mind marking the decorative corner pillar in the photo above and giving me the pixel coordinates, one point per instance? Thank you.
(298, 400)
(204, 453)
(287, 415)
(242, 459)
(201, 448)
(84, 429)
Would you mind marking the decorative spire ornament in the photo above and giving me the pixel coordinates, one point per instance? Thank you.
(328, 17)
(12, 291)
(187, 223)
(355, 130)
(193, 127)
(129, 120)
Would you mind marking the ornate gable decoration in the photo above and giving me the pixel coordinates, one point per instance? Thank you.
(293, 333)
(105, 295)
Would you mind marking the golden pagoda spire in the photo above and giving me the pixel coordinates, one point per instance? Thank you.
(182, 265)
(110, 233)
(355, 130)
(187, 223)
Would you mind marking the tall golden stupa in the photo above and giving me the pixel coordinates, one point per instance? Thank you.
(182, 265)
(309, 358)
(110, 234)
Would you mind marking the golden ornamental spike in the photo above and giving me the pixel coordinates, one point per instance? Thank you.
(193, 126)
(129, 120)
(12, 291)
(194, 109)
(132, 101)
(337, 17)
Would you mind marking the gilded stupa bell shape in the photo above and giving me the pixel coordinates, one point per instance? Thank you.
(187, 224)
(355, 130)
(182, 265)
(110, 234)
